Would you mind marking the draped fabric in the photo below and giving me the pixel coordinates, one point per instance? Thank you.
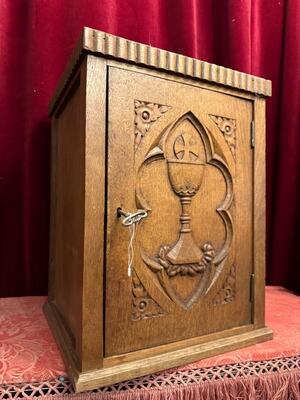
(33, 369)
(260, 37)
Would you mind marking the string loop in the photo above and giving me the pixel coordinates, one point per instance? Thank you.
(131, 221)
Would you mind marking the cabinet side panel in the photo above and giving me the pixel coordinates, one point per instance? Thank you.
(92, 335)
(67, 218)
(259, 213)
(51, 273)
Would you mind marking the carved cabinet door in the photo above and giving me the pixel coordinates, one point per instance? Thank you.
(182, 153)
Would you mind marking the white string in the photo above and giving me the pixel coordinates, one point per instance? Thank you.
(132, 231)
(130, 221)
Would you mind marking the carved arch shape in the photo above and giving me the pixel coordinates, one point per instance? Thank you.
(211, 263)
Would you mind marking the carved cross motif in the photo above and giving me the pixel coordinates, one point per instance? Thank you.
(185, 148)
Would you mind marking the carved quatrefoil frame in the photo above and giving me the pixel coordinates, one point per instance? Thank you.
(213, 264)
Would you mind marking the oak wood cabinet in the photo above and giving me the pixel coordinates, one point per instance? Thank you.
(139, 128)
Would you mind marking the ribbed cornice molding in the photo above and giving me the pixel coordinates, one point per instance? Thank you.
(107, 45)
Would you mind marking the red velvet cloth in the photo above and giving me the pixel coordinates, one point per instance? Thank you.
(28, 352)
(37, 37)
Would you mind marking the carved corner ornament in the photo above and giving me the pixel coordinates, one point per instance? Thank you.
(146, 114)
(228, 127)
(227, 293)
(143, 306)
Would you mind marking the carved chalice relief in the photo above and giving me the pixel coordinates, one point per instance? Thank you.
(185, 170)
(187, 149)
(186, 160)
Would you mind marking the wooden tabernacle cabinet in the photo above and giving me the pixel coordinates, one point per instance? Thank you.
(139, 128)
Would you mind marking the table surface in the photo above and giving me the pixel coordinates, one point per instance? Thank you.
(28, 352)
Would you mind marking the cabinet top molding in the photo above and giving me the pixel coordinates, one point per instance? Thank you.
(106, 45)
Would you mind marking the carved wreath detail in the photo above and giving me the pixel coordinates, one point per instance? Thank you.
(143, 306)
(145, 115)
(186, 269)
(227, 292)
(228, 127)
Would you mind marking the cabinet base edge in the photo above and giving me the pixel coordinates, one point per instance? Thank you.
(109, 375)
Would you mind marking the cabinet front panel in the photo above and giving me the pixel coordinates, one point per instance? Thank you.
(183, 154)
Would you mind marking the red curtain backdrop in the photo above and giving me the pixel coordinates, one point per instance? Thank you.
(260, 37)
